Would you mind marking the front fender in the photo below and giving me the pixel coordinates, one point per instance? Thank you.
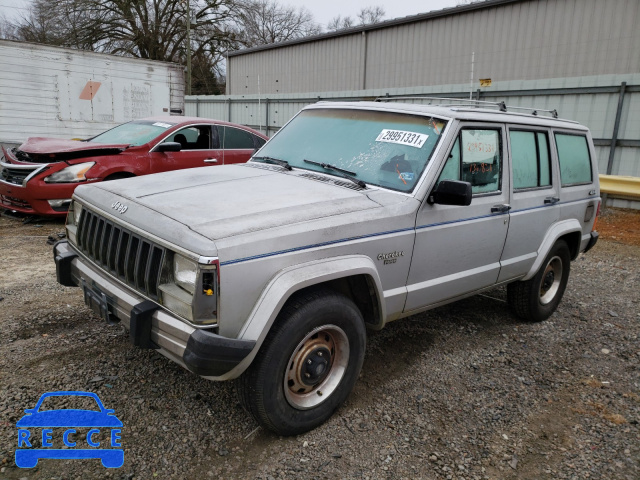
(292, 279)
(558, 230)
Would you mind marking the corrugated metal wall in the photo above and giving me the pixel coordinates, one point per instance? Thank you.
(592, 101)
(331, 64)
(526, 39)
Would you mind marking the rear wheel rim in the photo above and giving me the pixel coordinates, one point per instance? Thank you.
(551, 280)
(316, 367)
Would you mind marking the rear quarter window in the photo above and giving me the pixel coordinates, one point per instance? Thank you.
(234, 138)
(574, 159)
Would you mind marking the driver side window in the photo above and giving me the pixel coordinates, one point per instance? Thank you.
(196, 137)
(475, 158)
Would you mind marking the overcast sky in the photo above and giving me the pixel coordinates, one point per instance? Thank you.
(11, 9)
(323, 10)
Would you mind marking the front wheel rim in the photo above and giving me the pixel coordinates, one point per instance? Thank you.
(551, 280)
(316, 367)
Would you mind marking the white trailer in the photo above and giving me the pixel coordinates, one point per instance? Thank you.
(59, 92)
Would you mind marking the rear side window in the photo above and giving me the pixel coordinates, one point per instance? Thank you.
(236, 138)
(475, 158)
(574, 159)
(259, 141)
(530, 159)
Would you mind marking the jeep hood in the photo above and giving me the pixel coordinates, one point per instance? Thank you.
(225, 201)
(46, 150)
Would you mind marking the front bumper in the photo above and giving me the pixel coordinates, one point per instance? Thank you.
(150, 326)
(33, 198)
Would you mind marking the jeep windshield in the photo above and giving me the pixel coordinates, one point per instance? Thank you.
(386, 149)
(134, 133)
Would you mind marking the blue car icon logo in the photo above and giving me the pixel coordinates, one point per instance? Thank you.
(65, 422)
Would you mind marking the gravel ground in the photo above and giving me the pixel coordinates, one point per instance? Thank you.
(461, 392)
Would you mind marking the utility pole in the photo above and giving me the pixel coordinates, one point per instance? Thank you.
(188, 46)
(473, 56)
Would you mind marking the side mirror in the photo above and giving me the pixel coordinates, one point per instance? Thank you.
(169, 147)
(451, 192)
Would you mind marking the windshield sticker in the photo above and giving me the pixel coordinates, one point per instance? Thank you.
(437, 126)
(401, 137)
(479, 145)
(163, 125)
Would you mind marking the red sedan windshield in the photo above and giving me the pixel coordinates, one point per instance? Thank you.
(133, 133)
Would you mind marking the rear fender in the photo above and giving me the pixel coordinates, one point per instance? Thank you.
(558, 230)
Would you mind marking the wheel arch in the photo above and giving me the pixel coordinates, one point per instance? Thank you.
(118, 175)
(570, 231)
(353, 275)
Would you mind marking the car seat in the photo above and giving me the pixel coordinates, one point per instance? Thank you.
(181, 139)
(202, 143)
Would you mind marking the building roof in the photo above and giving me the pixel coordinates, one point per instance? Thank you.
(377, 26)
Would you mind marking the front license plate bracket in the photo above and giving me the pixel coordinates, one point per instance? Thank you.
(98, 301)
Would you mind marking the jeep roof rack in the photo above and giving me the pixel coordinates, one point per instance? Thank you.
(465, 102)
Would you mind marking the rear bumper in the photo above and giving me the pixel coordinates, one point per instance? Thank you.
(150, 326)
(592, 241)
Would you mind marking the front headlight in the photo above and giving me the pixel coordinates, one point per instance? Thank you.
(191, 290)
(71, 174)
(185, 273)
(73, 218)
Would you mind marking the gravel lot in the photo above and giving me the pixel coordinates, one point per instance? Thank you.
(464, 391)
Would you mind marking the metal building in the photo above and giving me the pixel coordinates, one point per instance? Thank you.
(579, 57)
(508, 40)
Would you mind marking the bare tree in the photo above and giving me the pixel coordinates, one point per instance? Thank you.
(154, 29)
(365, 16)
(263, 22)
(6, 28)
(371, 15)
(339, 22)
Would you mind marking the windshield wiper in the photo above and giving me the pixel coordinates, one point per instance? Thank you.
(343, 173)
(277, 161)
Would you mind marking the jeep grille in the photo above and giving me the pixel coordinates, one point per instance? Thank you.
(133, 259)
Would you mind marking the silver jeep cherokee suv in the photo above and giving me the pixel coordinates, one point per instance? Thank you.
(352, 216)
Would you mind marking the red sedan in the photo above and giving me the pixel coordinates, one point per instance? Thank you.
(39, 176)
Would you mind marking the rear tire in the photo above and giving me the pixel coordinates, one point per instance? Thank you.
(537, 298)
(307, 365)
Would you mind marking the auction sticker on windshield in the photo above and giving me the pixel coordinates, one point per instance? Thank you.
(401, 137)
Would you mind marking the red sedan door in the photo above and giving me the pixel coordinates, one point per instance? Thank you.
(200, 147)
(237, 144)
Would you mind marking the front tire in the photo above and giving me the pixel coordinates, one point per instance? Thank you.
(308, 363)
(537, 298)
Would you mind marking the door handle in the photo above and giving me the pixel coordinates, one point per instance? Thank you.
(210, 160)
(502, 208)
(551, 200)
